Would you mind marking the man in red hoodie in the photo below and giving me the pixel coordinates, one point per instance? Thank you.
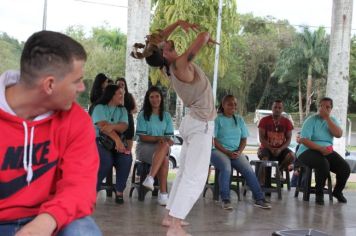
(48, 157)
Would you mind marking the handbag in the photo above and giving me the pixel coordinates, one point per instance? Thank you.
(107, 142)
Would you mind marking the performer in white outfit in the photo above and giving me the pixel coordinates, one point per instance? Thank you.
(197, 127)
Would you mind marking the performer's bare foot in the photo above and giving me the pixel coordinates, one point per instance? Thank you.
(167, 223)
(175, 228)
(177, 232)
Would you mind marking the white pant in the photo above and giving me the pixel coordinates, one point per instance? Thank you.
(194, 164)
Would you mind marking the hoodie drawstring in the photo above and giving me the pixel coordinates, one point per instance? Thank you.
(28, 165)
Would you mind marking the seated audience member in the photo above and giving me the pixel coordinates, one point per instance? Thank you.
(275, 133)
(230, 141)
(110, 118)
(99, 84)
(48, 158)
(316, 150)
(155, 129)
(130, 105)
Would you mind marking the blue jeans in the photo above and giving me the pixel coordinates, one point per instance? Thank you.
(122, 163)
(224, 164)
(81, 227)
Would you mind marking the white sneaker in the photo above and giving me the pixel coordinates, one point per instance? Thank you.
(162, 199)
(148, 183)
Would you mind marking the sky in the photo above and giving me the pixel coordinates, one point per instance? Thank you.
(21, 18)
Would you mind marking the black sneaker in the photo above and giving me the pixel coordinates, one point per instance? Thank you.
(319, 199)
(262, 204)
(266, 201)
(119, 199)
(226, 205)
(340, 197)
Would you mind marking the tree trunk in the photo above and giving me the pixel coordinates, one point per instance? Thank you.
(265, 92)
(308, 95)
(301, 117)
(136, 72)
(338, 69)
(320, 88)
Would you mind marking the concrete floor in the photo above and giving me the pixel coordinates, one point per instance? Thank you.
(208, 218)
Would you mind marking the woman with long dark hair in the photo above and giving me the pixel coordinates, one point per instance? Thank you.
(110, 118)
(229, 142)
(130, 105)
(97, 89)
(155, 129)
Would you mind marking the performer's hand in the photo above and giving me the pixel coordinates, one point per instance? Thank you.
(212, 42)
(186, 26)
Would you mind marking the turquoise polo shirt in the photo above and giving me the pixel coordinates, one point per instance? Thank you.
(111, 114)
(316, 129)
(154, 126)
(229, 132)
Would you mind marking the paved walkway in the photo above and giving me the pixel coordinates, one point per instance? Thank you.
(208, 218)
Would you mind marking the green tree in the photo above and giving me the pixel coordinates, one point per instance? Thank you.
(252, 60)
(10, 53)
(308, 56)
(106, 50)
(203, 13)
(352, 85)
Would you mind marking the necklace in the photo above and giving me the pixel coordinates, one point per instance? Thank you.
(276, 124)
(111, 113)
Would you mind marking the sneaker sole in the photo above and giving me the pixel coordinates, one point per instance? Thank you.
(151, 188)
(228, 208)
(263, 207)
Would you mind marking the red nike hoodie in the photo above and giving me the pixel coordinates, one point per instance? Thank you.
(47, 166)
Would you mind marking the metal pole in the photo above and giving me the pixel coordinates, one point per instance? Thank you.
(349, 134)
(217, 51)
(44, 22)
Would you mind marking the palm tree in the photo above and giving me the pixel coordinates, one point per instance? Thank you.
(314, 48)
(307, 56)
(290, 68)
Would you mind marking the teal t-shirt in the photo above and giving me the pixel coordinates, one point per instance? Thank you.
(316, 129)
(228, 132)
(111, 114)
(154, 126)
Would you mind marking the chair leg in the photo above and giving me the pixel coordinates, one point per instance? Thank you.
(207, 184)
(299, 183)
(216, 186)
(133, 179)
(288, 179)
(109, 184)
(330, 192)
(279, 184)
(307, 188)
